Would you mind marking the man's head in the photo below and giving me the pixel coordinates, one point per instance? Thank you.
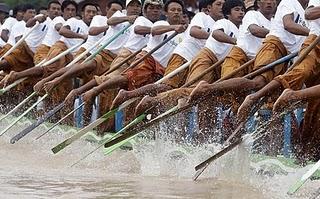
(152, 9)
(113, 6)
(214, 8)
(186, 16)
(4, 11)
(133, 7)
(267, 7)
(43, 10)
(54, 9)
(29, 12)
(69, 9)
(234, 10)
(173, 10)
(89, 10)
(18, 12)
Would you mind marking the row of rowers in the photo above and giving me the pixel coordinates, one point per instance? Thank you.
(221, 30)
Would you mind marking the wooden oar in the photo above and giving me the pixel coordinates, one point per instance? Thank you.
(23, 114)
(57, 123)
(28, 130)
(23, 38)
(36, 124)
(18, 106)
(86, 129)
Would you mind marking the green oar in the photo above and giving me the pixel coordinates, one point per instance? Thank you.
(23, 114)
(18, 106)
(134, 122)
(82, 132)
(295, 187)
(57, 123)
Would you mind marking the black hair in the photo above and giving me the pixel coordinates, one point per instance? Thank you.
(229, 4)
(190, 14)
(88, 4)
(27, 6)
(205, 3)
(17, 9)
(166, 5)
(65, 4)
(119, 2)
(53, 2)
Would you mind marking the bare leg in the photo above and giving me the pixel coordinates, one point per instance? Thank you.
(150, 89)
(74, 71)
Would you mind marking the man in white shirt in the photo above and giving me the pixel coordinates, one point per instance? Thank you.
(287, 32)
(102, 61)
(18, 29)
(307, 73)
(6, 27)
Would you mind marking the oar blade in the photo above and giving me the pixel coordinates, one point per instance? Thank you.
(199, 172)
(31, 127)
(294, 188)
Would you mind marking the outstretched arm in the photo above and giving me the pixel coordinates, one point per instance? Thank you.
(222, 37)
(198, 33)
(291, 26)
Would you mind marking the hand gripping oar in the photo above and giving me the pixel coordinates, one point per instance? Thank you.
(28, 130)
(18, 106)
(42, 64)
(23, 114)
(34, 125)
(20, 41)
(83, 131)
(57, 123)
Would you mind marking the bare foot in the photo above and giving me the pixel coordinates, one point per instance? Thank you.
(120, 98)
(88, 96)
(71, 97)
(49, 86)
(245, 108)
(199, 91)
(287, 97)
(8, 79)
(146, 103)
(38, 87)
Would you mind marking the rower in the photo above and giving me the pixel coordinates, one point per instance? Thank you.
(198, 32)
(307, 72)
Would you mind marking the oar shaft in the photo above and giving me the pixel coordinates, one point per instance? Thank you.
(208, 70)
(22, 115)
(19, 105)
(134, 64)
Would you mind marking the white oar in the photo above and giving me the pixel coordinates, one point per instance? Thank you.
(294, 188)
(18, 106)
(23, 114)
(20, 41)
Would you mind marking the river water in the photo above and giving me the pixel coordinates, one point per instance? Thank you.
(156, 169)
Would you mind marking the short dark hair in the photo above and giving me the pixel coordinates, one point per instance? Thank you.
(229, 4)
(27, 6)
(53, 2)
(17, 9)
(190, 14)
(88, 4)
(116, 2)
(166, 5)
(65, 4)
(205, 4)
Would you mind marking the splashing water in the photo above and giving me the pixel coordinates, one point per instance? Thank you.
(156, 168)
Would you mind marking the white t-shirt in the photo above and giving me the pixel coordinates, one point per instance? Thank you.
(53, 35)
(7, 25)
(190, 46)
(97, 21)
(249, 43)
(37, 35)
(77, 26)
(121, 40)
(163, 54)
(18, 30)
(314, 24)
(136, 41)
(220, 49)
(290, 41)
